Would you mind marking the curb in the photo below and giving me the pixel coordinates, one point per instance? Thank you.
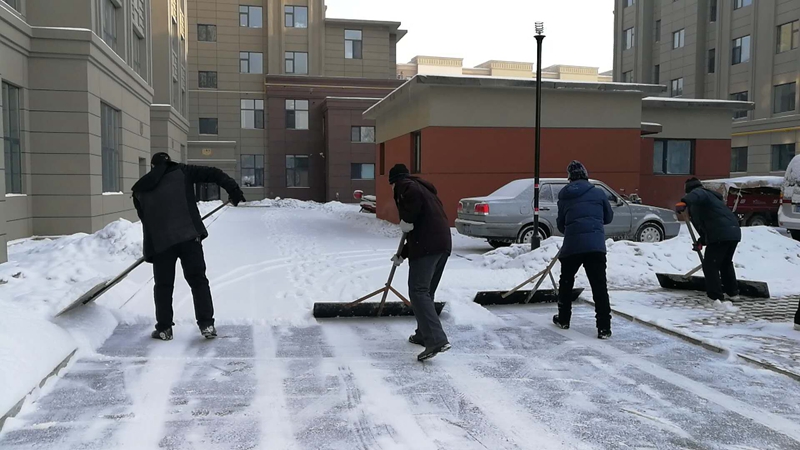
(701, 343)
(16, 408)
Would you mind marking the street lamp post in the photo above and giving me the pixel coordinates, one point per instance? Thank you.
(535, 241)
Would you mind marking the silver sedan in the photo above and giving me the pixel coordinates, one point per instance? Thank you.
(506, 216)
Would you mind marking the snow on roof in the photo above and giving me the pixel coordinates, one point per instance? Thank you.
(723, 185)
(793, 171)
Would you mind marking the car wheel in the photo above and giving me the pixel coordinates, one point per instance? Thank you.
(498, 244)
(649, 232)
(757, 221)
(795, 234)
(526, 235)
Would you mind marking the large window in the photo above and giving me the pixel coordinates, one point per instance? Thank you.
(679, 38)
(109, 137)
(712, 60)
(784, 98)
(209, 126)
(676, 88)
(739, 97)
(297, 171)
(252, 170)
(110, 23)
(738, 159)
(741, 50)
(781, 156)
(11, 139)
(673, 157)
(207, 79)
(788, 36)
(353, 45)
(362, 134)
(297, 114)
(296, 62)
(741, 3)
(629, 38)
(362, 171)
(252, 114)
(657, 74)
(658, 31)
(416, 152)
(713, 11)
(251, 62)
(250, 16)
(296, 16)
(206, 33)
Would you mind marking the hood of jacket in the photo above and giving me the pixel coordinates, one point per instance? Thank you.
(575, 189)
(151, 179)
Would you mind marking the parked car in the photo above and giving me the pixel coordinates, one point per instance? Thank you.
(789, 212)
(754, 200)
(368, 203)
(506, 215)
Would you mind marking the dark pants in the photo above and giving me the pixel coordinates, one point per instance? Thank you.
(718, 270)
(595, 266)
(194, 270)
(424, 274)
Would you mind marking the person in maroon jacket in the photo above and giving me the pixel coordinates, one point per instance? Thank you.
(427, 248)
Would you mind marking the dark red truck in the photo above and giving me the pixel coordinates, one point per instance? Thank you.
(754, 199)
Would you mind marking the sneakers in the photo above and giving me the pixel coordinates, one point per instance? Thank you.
(603, 334)
(557, 321)
(165, 335)
(209, 332)
(416, 340)
(433, 351)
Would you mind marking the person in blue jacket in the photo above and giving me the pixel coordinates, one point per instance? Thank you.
(583, 210)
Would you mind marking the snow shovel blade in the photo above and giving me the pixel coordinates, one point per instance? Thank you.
(518, 298)
(747, 288)
(366, 309)
(85, 298)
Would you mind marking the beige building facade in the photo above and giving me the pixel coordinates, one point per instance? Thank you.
(747, 50)
(439, 65)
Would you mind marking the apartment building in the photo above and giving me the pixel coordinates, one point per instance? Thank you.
(438, 65)
(746, 50)
(259, 74)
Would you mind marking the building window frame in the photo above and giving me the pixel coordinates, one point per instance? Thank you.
(712, 60)
(788, 37)
(361, 171)
(208, 126)
(296, 63)
(740, 50)
(676, 87)
(740, 97)
(110, 122)
(252, 170)
(782, 103)
(13, 3)
(251, 62)
(781, 155)
(739, 4)
(295, 16)
(207, 79)
(678, 39)
(362, 134)
(297, 171)
(252, 114)
(206, 32)
(416, 152)
(12, 133)
(353, 44)
(629, 38)
(109, 23)
(657, 74)
(627, 76)
(247, 14)
(629, 3)
(739, 159)
(657, 30)
(662, 151)
(713, 10)
(297, 116)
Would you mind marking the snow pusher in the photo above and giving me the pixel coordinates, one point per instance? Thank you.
(689, 282)
(103, 287)
(362, 308)
(517, 296)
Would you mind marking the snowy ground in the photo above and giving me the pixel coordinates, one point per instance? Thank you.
(278, 379)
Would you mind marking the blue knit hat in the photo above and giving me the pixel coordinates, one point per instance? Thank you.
(576, 171)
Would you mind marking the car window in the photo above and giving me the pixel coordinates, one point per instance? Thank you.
(556, 188)
(513, 189)
(609, 195)
(546, 193)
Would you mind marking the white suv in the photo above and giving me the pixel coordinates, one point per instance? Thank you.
(789, 212)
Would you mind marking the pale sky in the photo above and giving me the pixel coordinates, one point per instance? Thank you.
(579, 32)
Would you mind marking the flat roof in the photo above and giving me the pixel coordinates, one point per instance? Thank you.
(394, 26)
(678, 102)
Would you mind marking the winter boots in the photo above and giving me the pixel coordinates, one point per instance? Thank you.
(559, 324)
(430, 352)
(603, 334)
(165, 335)
(416, 340)
(209, 332)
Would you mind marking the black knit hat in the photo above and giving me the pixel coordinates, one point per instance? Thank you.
(397, 173)
(160, 158)
(576, 171)
(692, 184)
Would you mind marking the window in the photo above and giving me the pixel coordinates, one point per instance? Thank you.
(629, 3)
(252, 170)
(678, 38)
(788, 36)
(296, 62)
(296, 16)
(252, 114)
(136, 53)
(251, 62)
(739, 97)
(658, 31)
(712, 60)
(416, 152)
(250, 16)
(627, 77)
(209, 126)
(784, 99)
(657, 74)
(713, 11)
(738, 159)
(109, 137)
(207, 80)
(297, 171)
(362, 171)
(781, 156)
(297, 114)
(110, 23)
(629, 38)
(362, 134)
(353, 45)
(673, 157)
(13, 4)
(741, 50)
(11, 139)
(206, 33)
(676, 89)
(741, 3)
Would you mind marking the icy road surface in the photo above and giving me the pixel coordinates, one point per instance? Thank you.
(277, 379)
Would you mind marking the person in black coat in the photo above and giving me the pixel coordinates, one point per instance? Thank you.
(427, 248)
(583, 210)
(718, 230)
(173, 229)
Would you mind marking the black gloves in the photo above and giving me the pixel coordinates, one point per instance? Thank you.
(236, 197)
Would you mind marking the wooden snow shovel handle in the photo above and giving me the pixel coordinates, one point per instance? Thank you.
(391, 278)
(694, 238)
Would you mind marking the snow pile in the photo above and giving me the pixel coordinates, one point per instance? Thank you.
(278, 202)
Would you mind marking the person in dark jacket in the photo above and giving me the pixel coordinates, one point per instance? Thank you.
(173, 229)
(718, 230)
(428, 245)
(583, 210)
